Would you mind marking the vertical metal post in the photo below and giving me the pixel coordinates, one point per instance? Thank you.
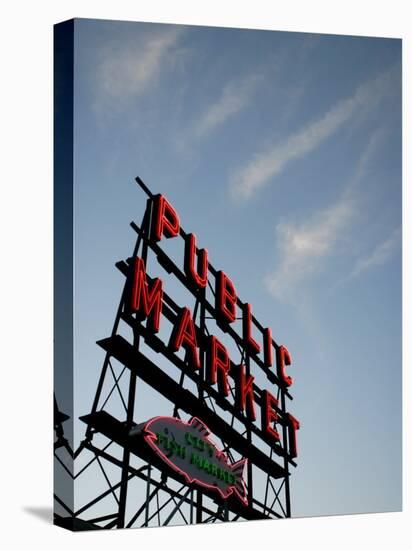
(202, 313)
(249, 440)
(132, 388)
(149, 472)
(225, 512)
(286, 449)
(191, 505)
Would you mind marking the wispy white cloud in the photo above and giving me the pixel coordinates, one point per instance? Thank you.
(303, 248)
(234, 97)
(381, 254)
(129, 71)
(363, 166)
(266, 165)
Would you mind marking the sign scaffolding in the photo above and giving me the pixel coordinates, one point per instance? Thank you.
(222, 448)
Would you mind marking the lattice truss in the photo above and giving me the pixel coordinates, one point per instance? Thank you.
(115, 483)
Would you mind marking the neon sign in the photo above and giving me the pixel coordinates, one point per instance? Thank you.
(187, 449)
(146, 301)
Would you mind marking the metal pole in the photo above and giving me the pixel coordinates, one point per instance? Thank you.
(285, 447)
(202, 314)
(132, 384)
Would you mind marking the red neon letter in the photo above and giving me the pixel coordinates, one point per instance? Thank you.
(267, 347)
(184, 334)
(147, 302)
(197, 276)
(244, 396)
(225, 297)
(218, 363)
(165, 220)
(283, 358)
(250, 342)
(293, 426)
(269, 414)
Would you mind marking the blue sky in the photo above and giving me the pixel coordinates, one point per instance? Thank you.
(282, 152)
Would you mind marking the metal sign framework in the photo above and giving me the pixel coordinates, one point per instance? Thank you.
(161, 497)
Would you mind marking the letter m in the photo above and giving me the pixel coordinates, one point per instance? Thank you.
(145, 298)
